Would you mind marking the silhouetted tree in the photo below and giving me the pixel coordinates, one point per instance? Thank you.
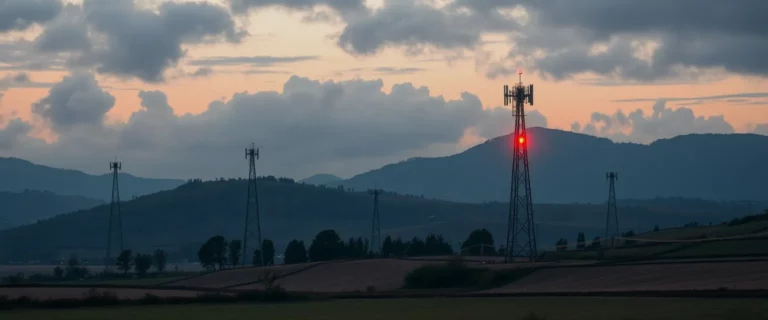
(269, 252)
(160, 260)
(326, 246)
(125, 261)
(213, 253)
(58, 272)
(296, 252)
(581, 241)
(595, 243)
(387, 247)
(235, 248)
(562, 244)
(656, 228)
(629, 234)
(479, 241)
(143, 263)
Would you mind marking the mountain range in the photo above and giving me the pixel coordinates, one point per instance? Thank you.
(180, 220)
(18, 175)
(567, 167)
(19, 208)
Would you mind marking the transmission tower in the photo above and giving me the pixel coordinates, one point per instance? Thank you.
(252, 206)
(375, 244)
(521, 231)
(115, 229)
(612, 219)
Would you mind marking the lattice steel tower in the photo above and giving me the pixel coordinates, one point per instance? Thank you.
(252, 206)
(612, 219)
(115, 229)
(521, 229)
(375, 244)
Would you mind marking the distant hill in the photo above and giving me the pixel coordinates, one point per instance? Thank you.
(19, 208)
(322, 179)
(568, 167)
(180, 220)
(19, 175)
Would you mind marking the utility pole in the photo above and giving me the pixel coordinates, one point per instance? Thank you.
(115, 218)
(521, 229)
(375, 225)
(252, 205)
(612, 219)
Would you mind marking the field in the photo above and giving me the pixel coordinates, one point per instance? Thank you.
(445, 309)
(647, 277)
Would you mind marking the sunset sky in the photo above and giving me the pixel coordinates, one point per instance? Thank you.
(179, 88)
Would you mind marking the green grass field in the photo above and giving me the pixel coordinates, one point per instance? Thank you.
(444, 309)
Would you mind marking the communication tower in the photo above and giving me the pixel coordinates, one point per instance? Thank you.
(115, 229)
(252, 205)
(612, 219)
(521, 230)
(375, 244)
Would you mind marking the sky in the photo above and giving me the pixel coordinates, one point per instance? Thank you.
(178, 89)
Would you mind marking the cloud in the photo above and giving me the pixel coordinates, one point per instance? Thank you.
(761, 129)
(256, 61)
(637, 41)
(20, 55)
(344, 6)
(312, 126)
(662, 123)
(715, 97)
(18, 15)
(19, 80)
(120, 38)
(12, 133)
(413, 25)
(76, 100)
(385, 70)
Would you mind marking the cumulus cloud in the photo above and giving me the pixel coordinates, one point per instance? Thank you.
(121, 38)
(640, 41)
(664, 122)
(12, 133)
(76, 100)
(242, 6)
(312, 126)
(16, 15)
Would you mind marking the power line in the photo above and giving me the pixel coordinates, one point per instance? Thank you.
(252, 205)
(612, 218)
(521, 230)
(115, 216)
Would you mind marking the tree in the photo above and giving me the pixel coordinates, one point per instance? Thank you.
(58, 272)
(125, 261)
(479, 242)
(562, 244)
(387, 248)
(235, 246)
(326, 246)
(656, 228)
(295, 252)
(143, 262)
(595, 243)
(213, 253)
(160, 260)
(269, 252)
(581, 242)
(256, 261)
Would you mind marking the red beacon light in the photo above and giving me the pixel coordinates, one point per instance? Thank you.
(521, 140)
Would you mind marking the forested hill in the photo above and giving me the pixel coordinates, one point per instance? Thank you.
(568, 167)
(180, 220)
(19, 175)
(19, 208)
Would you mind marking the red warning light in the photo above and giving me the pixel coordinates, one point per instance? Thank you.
(521, 140)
